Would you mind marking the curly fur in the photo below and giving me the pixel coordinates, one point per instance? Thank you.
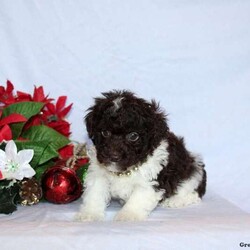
(167, 172)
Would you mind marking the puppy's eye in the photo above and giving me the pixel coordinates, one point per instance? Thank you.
(133, 136)
(106, 133)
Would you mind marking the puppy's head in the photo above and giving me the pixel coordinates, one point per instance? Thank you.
(124, 129)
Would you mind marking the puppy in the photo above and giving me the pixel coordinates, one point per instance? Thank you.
(137, 160)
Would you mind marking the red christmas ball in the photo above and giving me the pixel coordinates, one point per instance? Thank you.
(61, 185)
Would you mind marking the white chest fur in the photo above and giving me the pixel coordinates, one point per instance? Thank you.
(121, 187)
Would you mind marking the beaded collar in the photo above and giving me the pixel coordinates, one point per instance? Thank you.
(127, 172)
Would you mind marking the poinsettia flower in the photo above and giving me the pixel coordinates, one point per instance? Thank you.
(5, 130)
(6, 94)
(5, 133)
(12, 118)
(58, 111)
(38, 96)
(53, 115)
(63, 127)
(15, 165)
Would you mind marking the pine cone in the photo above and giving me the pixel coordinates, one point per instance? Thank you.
(30, 191)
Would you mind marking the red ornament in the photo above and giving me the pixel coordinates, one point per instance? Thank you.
(61, 185)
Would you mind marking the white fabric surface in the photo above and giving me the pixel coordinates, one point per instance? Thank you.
(213, 224)
(192, 56)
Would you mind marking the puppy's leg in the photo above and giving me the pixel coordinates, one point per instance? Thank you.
(95, 199)
(182, 200)
(186, 193)
(140, 204)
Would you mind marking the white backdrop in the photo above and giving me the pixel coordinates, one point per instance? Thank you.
(192, 56)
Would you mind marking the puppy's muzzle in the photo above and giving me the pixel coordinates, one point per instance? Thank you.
(115, 157)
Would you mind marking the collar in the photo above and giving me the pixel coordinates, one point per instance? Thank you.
(124, 173)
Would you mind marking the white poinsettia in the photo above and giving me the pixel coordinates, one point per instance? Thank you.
(15, 165)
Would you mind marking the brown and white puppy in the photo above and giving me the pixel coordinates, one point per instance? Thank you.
(136, 159)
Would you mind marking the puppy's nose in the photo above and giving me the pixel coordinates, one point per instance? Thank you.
(115, 157)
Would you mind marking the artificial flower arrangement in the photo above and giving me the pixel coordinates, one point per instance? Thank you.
(37, 158)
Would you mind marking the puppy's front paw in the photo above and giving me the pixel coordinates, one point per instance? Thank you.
(89, 216)
(128, 215)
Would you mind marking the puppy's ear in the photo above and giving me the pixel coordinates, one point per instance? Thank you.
(89, 123)
(160, 115)
(155, 106)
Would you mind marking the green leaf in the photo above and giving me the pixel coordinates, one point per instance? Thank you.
(2, 145)
(42, 168)
(43, 133)
(48, 154)
(4, 183)
(8, 199)
(82, 172)
(27, 109)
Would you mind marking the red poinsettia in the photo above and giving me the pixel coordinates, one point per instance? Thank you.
(54, 115)
(6, 94)
(5, 133)
(5, 130)
(58, 111)
(38, 96)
